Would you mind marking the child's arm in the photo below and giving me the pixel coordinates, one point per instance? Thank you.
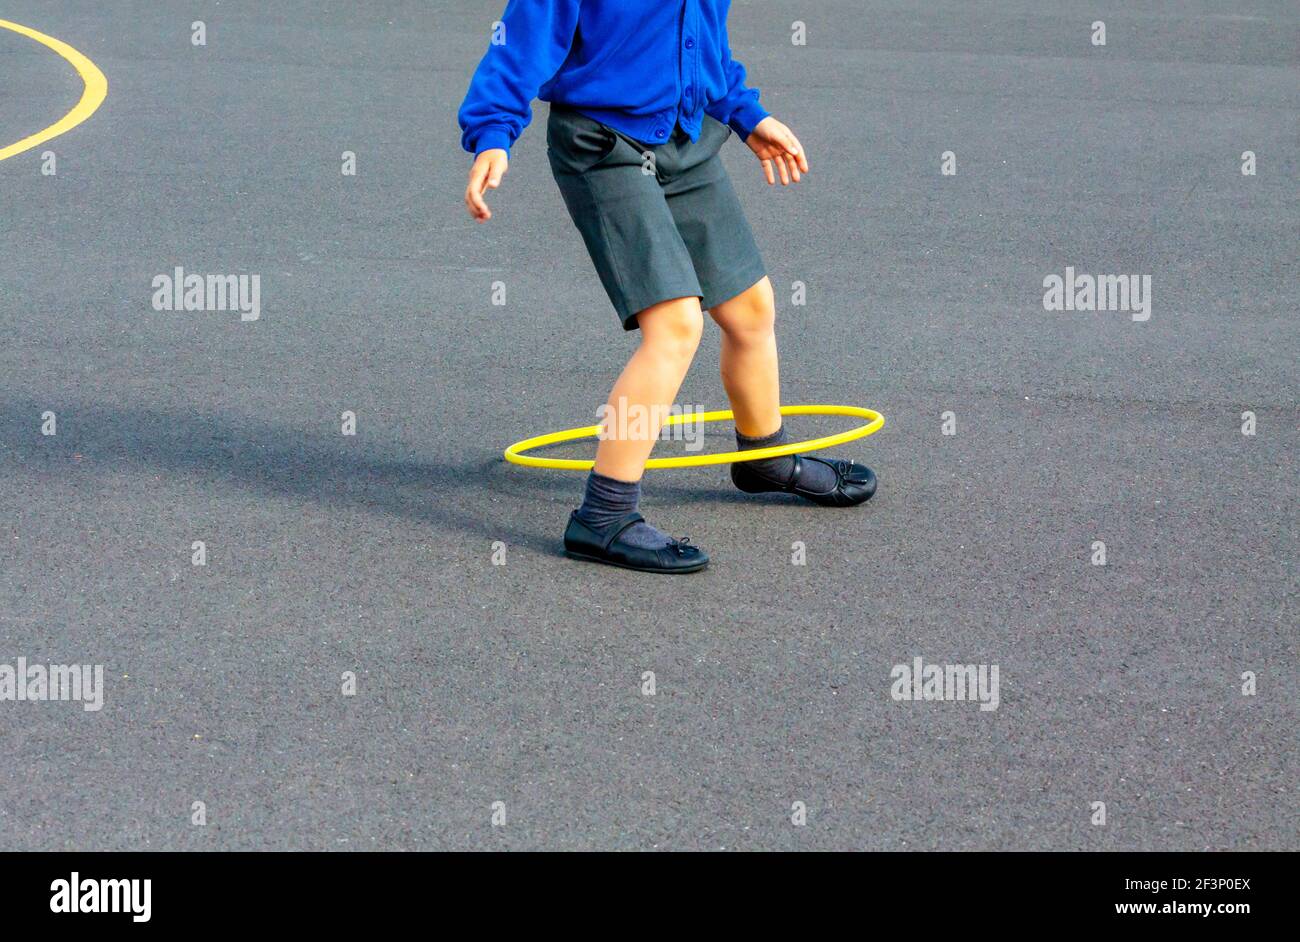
(770, 140)
(528, 47)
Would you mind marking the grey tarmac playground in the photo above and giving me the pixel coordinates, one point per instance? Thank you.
(522, 683)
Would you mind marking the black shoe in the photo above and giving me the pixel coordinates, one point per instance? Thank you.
(582, 542)
(854, 483)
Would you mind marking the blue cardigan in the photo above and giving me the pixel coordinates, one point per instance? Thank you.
(639, 66)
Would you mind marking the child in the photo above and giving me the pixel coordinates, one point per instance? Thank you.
(643, 95)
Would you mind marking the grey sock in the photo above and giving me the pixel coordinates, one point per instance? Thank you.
(607, 500)
(817, 476)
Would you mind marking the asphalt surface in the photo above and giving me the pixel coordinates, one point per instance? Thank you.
(522, 683)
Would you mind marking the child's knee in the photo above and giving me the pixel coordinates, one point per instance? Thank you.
(674, 327)
(750, 316)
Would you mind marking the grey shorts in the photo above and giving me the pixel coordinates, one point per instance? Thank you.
(657, 227)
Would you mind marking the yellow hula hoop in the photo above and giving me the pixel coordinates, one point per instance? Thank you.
(515, 453)
(95, 88)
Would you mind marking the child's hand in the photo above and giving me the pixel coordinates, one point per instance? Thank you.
(489, 167)
(774, 143)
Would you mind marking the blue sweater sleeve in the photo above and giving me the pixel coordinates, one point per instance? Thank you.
(739, 108)
(527, 49)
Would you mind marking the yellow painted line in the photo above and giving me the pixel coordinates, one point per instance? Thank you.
(91, 98)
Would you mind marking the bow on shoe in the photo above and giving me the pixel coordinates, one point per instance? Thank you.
(852, 471)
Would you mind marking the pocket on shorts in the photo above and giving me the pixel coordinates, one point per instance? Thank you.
(576, 143)
(712, 127)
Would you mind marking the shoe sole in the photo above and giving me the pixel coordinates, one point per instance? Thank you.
(811, 498)
(659, 572)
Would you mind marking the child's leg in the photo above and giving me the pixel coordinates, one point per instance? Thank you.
(670, 335)
(749, 364)
(751, 377)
